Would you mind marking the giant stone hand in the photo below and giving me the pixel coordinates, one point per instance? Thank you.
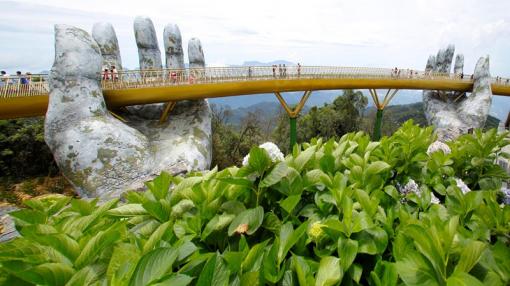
(100, 155)
(454, 113)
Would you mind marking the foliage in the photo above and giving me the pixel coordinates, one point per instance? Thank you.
(332, 120)
(23, 152)
(330, 213)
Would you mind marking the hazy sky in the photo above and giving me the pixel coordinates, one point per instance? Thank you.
(348, 33)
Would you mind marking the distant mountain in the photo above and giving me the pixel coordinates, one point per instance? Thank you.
(262, 64)
(394, 115)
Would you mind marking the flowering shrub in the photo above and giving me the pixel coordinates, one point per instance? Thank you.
(329, 213)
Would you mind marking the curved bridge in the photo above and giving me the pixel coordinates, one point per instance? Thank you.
(170, 85)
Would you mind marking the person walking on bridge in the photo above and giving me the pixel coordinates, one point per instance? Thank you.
(274, 70)
(249, 72)
(5, 78)
(298, 70)
(114, 73)
(280, 72)
(284, 71)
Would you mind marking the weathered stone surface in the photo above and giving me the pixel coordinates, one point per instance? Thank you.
(149, 55)
(195, 54)
(97, 153)
(444, 58)
(106, 39)
(101, 156)
(173, 47)
(459, 64)
(451, 113)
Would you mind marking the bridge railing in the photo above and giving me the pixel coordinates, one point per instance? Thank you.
(33, 85)
(25, 85)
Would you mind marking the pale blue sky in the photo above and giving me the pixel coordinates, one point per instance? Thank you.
(371, 33)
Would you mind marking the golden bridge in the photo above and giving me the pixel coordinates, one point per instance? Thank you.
(136, 87)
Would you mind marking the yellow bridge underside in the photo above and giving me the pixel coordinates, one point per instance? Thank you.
(37, 105)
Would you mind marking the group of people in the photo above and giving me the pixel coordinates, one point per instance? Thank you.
(20, 78)
(282, 70)
(110, 73)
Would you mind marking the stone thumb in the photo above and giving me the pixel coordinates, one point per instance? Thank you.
(75, 84)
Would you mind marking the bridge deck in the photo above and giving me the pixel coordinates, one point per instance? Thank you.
(151, 86)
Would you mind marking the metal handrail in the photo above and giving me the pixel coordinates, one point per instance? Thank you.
(12, 86)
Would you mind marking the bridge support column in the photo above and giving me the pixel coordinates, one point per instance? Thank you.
(293, 132)
(380, 110)
(168, 108)
(293, 114)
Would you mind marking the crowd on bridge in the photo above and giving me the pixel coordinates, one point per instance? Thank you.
(18, 79)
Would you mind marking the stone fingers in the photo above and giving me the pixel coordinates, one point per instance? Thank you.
(474, 110)
(149, 55)
(105, 37)
(444, 59)
(173, 47)
(195, 54)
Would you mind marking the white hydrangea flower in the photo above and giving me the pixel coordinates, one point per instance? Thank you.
(434, 199)
(274, 153)
(462, 186)
(506, 196)
(438, 145)
(410, 187)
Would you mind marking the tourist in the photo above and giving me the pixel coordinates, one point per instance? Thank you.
(274, 71)
(106, 74)
(173, 77)
(23, 79)
(5, 78)
(114, 73)
(249, 72)
(298, 70)
(284, 71)
(280, 70)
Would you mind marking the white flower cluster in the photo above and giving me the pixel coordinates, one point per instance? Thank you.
(462, 186)
(434, 199)
(274, 153)
(506, 196)
(410, 187)
(438, 145)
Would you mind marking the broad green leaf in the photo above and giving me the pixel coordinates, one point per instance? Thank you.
(124, 255)
(347, 251)
(303, 158)
(275, 175)
(247, 221)
(87, 276)
(160, 185)
(330, 272)
(153, 266)
(414, 270)
(459, 278)
(217, 223)
(215, 273)
(289, 237)
(289, 203)
(175, 280)
(127, 210)
(96, 244)
(253, 260)
(470, 255)
(259, 160)
(377, 167)
(156, 237)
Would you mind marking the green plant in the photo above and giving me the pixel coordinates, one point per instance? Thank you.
(330, 213)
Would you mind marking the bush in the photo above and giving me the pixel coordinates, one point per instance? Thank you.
(352, 211)
(23, 152)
